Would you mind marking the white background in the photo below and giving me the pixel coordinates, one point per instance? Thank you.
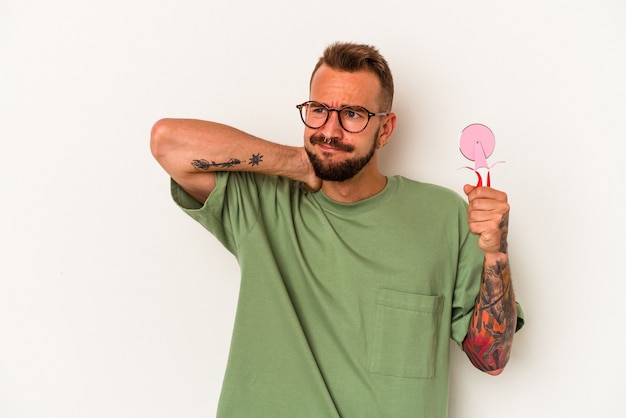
(113, 303)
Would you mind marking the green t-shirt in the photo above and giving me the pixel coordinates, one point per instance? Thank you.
(345, 310)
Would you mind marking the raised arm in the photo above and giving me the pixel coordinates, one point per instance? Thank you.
(191, 151)
(490, 335)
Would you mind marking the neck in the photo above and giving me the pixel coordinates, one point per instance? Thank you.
(360, 187)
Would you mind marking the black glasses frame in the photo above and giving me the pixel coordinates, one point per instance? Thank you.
(329, 109)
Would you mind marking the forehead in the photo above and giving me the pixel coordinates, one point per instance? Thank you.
(340, 88)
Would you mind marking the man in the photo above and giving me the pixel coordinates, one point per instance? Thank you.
(353, 283)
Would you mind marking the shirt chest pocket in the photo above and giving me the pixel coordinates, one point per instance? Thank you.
(406, 334)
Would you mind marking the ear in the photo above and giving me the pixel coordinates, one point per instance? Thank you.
(386, 129)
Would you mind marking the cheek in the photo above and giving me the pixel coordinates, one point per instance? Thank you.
(308, 134)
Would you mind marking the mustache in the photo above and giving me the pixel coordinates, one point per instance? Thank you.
(331, 142)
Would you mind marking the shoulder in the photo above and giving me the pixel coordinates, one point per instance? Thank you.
(427, 191)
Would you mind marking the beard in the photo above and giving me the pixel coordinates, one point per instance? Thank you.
(340, 171)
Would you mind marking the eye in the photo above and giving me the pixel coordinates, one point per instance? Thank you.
(317, 109)
(354, 113)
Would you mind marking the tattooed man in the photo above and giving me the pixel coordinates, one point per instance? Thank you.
(353, 283)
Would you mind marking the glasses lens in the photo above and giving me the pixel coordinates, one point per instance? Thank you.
(314, 114)
(354, 118)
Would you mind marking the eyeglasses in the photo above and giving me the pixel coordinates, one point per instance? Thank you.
(353, 119)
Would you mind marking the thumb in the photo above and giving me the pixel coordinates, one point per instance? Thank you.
(468, 188)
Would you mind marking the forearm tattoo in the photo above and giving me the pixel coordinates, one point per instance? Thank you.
(488, 342)
(504, 227)
(256, 159)
(204, 165)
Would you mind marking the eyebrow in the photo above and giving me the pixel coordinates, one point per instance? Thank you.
(341, 106)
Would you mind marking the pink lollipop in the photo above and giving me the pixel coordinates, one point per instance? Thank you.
(477, 144)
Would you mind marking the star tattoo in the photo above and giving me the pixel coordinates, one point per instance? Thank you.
(255, 159)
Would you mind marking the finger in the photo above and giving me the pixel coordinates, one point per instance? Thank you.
(497, 207)
(488, 193)
(486, 219)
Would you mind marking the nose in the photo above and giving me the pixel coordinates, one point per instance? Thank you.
(332, 128)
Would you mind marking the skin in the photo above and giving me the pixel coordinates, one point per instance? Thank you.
(490, 335)
(337, 89)
(191, 151)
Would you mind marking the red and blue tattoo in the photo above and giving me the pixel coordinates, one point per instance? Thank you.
(490, 335)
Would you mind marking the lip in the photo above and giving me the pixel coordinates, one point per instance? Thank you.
(330, 147)
(329, 150)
